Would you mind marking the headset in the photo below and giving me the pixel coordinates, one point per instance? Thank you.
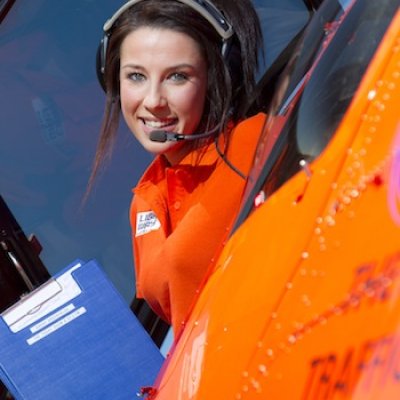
(204, 7)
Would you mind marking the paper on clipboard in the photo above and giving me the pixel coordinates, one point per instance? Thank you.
(46, 299)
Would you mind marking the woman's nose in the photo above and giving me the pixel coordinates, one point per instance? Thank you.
(155, 97)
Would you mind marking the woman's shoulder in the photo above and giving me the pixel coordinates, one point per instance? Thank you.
(251, 125)
(244, 136)
(243, 141)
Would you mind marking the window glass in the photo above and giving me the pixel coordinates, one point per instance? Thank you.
(315, 37)
(50, 113)
(280, 20)
(337, 76)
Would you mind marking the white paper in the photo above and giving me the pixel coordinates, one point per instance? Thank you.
(42, 301)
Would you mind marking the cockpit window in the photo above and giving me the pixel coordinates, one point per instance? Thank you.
(337, 76)
(311, 100)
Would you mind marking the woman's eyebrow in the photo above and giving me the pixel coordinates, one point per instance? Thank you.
(131, 65)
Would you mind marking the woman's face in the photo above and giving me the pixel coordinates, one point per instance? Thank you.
(163, 78)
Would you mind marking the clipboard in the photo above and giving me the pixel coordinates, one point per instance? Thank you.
(75, 337)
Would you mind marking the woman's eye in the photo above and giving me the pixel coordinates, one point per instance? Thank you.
(136, 77)
(178, 77)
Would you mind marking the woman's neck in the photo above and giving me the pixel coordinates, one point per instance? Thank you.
(179, 152)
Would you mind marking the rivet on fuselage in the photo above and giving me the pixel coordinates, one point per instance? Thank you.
(263, 369)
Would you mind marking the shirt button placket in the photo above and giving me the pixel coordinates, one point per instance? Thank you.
(175, 192)
(178, 184)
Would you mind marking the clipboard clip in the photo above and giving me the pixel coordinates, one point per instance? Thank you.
(42, 301)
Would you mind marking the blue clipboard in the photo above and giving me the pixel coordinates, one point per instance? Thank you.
(75, 338)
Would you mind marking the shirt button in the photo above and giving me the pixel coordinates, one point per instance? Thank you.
(177, 205)
(178, 174)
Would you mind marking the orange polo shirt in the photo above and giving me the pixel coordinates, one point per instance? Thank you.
(180, 217)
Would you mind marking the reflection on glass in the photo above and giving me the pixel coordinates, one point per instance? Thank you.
(50, 111)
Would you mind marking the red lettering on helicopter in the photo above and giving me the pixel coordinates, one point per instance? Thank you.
(376, 282)
(359, 370)
(373, 283)
(374, 363)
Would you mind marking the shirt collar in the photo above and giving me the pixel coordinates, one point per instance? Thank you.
(195, 162)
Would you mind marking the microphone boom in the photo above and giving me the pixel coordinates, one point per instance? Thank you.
(164, 136)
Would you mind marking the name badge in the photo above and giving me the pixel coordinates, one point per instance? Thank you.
(146, 222)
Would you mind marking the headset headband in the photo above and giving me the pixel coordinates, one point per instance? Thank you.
(203, 7)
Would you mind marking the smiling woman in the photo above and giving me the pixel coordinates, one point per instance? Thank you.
(180, 72)
(163, 82)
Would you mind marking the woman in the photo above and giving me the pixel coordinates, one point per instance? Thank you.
(181, 73)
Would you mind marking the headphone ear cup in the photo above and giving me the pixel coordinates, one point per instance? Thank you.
(100, 64)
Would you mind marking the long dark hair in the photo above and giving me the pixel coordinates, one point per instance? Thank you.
(230, 81)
